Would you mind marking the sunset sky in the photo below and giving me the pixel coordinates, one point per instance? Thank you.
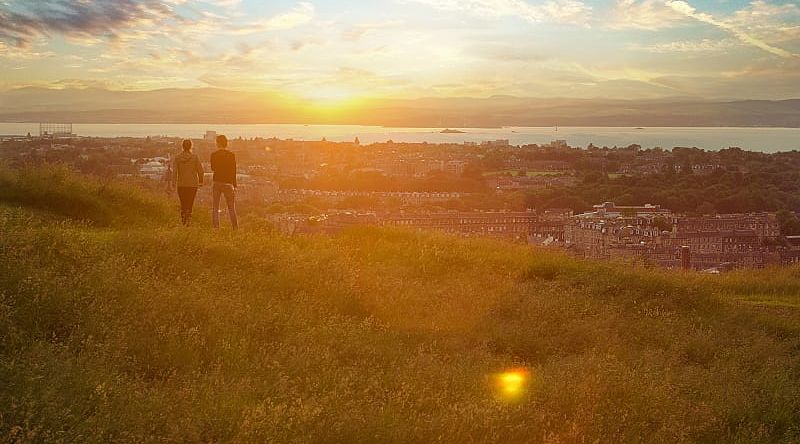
(409, 48)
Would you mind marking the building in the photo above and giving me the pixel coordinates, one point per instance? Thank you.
(724, 249)
(155, 168)
(611, 210)
(406, 198)
(55, 130)
(632, 237)
(712, 243)
(764, 225)
(455, 167)
(791, 253)
(728, 240)
(518, 226)
(500, 143)
(549, 228)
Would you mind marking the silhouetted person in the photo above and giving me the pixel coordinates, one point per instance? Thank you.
(188, 176)
(223, 164)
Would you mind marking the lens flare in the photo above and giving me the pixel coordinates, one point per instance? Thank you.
(511, 385)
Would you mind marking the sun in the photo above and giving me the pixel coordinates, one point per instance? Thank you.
(329, 94)
(331, 101)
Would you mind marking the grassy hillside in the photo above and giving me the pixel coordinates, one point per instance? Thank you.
(144, 331)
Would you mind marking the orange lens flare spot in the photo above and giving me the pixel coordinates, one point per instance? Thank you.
(512, 384)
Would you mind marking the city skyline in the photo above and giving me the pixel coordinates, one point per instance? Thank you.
(336, 52)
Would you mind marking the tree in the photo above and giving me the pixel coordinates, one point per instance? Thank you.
(706, 208)
(595, 177)
(789, 223)
(473, 170)
(662, 223)
(625, 199)
(574, 203)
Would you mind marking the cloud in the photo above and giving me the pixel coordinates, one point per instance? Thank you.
(734, 28)
(559, 11)
(758, 79)
(689, 46)
(21, 23)
(649, 15)
(18, 53)
(760, 23)
(769, 22)
(301, 14)
(224, 3)
(305, 43)
(507, 52)
(79, 84)
(356, 32)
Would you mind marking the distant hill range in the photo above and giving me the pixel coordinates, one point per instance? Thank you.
(208, 105)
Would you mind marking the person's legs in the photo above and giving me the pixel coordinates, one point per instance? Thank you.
(215, 196)
(180, 197)
(184, 195)
(230, 200)
(191, 194)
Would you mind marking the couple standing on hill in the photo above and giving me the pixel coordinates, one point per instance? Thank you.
(188, 176)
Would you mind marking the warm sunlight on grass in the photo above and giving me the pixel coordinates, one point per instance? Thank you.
(116, 327)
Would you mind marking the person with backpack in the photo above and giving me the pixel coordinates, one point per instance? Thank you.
(188, 176)
(223, 163)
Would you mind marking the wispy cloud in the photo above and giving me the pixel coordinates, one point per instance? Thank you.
(356, 32)
(23, 22)
(300, 14)
(559, 11)
(650, 15)
(18, 53)
(768, 21)
(225, 3)
(689, 46)
(688, 10)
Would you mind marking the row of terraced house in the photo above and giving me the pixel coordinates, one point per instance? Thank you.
(650, 234)
(645, 234)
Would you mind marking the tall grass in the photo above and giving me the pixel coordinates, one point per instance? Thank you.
(138, 334)
(56, 189)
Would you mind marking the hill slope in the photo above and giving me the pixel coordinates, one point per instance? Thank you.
(150, 332)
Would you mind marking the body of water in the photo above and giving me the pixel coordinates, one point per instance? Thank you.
(753, 139)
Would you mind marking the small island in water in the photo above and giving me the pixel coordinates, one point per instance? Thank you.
(452, 131)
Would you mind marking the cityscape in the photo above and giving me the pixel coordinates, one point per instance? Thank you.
(488, 189)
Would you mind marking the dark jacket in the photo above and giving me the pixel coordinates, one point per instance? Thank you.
(223, 164)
